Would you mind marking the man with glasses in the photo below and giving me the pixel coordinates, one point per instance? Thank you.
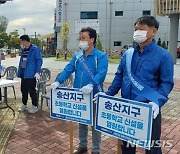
(97, 63)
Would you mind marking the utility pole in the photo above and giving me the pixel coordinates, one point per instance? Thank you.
(24, 29)
(35, 37)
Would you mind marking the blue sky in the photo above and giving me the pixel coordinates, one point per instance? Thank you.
(31, 15)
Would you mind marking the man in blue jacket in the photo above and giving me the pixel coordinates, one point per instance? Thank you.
(150, 65)
(29, 67)
(98, 62)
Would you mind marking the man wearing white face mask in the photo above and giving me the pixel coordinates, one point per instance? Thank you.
(140, 36)
(83, 45)
(151, 66)
(29, 67)
(97, 63)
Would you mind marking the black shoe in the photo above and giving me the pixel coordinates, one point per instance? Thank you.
(80, 150)
(95, 153)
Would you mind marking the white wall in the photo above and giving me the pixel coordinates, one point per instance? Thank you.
(121, 26)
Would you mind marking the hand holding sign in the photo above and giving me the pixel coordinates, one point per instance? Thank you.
(55, 85)
(95, 96)
(155, 109)
(87, 89)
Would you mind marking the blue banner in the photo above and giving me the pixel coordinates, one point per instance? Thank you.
(87, 68)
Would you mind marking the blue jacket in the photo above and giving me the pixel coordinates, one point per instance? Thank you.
(99, 63)
(33, 64)
(154, 66)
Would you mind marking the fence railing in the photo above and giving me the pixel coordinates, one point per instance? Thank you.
(166, 7)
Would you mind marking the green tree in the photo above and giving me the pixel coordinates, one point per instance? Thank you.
(134, 42)
(13, 40)
(36, 42)
(164, 45)
(43, 45)
(99, 44)
(159, 42)
(3, 39)
(3, 34)
(65, 28)
(3, 23)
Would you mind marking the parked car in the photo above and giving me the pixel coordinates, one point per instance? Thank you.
(178, 52)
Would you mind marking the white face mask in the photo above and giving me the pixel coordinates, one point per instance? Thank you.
(83, 45)
(140, 36)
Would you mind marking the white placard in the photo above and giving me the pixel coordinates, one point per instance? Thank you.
(72, 105)
(128, 120)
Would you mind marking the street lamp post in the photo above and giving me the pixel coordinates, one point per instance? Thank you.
(35, 37)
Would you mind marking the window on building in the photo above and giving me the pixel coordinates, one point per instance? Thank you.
(89, 15)
(118, 13)
(117, 43)
(147, 12)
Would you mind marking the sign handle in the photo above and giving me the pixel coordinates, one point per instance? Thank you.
(71, 136)
(119, 147)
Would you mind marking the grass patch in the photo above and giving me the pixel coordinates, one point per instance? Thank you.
(111, 60)
(63, 59)
(48, 55)
(114, 60)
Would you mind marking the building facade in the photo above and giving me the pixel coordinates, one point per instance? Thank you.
(113, 20)
(171, 8)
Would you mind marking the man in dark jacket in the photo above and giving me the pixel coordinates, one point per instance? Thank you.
(29, 67)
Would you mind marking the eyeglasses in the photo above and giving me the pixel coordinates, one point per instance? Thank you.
(82, 38)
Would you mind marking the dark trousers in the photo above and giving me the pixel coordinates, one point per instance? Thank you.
(156, 133)
(28, 86)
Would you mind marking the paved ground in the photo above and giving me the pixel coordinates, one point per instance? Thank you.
(38, 133)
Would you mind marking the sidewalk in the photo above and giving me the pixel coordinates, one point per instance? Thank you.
(38, 133)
